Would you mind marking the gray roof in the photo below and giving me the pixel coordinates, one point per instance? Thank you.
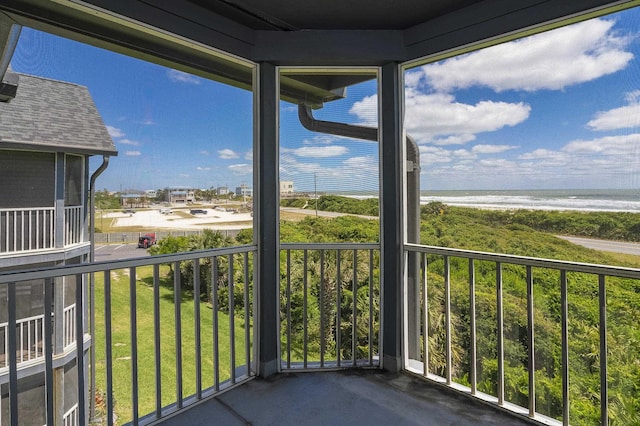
(50, 115)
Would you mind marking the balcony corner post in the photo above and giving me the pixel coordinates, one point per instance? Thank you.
(266, 227)
(391, 215)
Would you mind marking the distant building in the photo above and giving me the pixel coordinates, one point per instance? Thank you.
(151, 193)
(48, 132)
(244, 190)
(181, 195)
(286, 187)
(222, 190)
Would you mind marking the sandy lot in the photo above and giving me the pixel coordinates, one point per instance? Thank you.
(214, 219)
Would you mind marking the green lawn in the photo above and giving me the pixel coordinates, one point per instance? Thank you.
(145, 338)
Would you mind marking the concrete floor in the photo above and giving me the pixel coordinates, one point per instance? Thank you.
(356, 397)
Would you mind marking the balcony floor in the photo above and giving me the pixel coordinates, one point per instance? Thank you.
(368, 397)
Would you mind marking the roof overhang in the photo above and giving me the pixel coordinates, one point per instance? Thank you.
(224, 39)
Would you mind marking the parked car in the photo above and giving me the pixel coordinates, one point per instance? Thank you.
(146, 241)
(128, 211)
(166, 211)
(197, 211)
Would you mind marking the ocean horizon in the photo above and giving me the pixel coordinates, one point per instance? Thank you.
(613, 200)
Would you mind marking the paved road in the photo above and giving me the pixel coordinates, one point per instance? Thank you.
(107, 252)
(312, 212)
(603, 245)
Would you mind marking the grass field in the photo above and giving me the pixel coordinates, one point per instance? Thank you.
(122, 381)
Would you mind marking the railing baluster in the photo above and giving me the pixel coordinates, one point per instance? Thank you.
(156, 334)
(177, 299)
(108, 346)
(247, 316)
(354, 329)
(304, 307)
(79, 323)
(500, 331)
(531, 344)
(232, 327)
(447, 314)
(215, 307)
(322, 319)
(473, 351)
(196, 326)
(370, 335)
(425, 313)
(134, 343)
(47, 346)
(565, 347)
(604, 391)
(338, 307)
(13, 361)
(288, 308)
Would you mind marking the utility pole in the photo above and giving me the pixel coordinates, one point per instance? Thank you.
(315, 190)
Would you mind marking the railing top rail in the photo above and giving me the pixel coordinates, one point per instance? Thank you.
(330, 246)
(589, 268)
(26, 209)
(61, 271)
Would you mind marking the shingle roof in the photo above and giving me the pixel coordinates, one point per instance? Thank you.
(53, 115)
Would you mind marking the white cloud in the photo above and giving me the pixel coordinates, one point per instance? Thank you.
(366, 110)
(363, 169)
(320, 140)
(241, 169)
(553, 60)
(439, 119)
(491, 149)
(544, 154)
(204, 152)
(182, 77)
(317, 151)
(128, 142)
(227, 154)
(618, 118)
(623, 145)
(132, 153)
(114, 132)
(199, 168)
(248, 155)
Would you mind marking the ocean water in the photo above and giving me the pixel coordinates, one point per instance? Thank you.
(622, 200)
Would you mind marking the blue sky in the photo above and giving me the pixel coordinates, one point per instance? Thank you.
(556, 110)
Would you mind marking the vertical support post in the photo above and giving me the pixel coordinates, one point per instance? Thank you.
(266, 227)
(391, 215)
(59, 228)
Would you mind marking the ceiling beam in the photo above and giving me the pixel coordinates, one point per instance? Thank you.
(495, 21)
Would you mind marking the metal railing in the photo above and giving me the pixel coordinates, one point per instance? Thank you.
(69, 326)
(330, 305)
(27, 229)
(508, 303)
(180, 326)
(70, 418)
(73, 225)
(31, 229)
(30, 335)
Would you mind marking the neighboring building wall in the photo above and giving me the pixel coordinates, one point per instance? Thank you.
(286, 187)
(222, 190)
(181, 195)
(244, 191)
(44, 223)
